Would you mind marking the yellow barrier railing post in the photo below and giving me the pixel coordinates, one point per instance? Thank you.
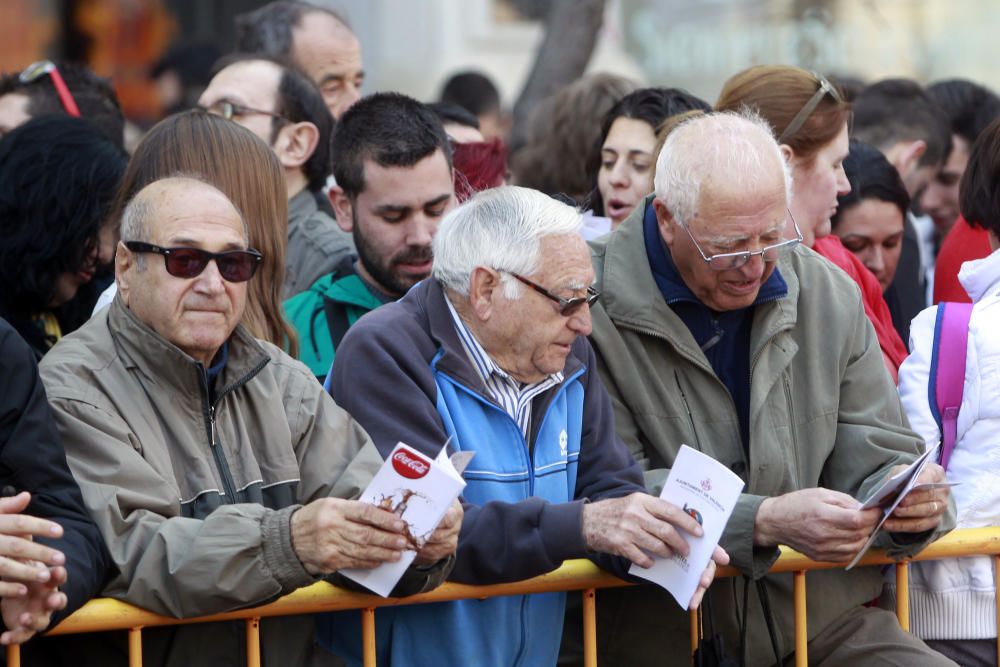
(135, 647)
(695, 616)
(14, 655)
(996, 599)
(590, 628)
(903, 594)
(368, 636)
(801, 626)
(253, 641)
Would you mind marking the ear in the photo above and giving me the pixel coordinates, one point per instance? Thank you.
(910, 156)
(484, 289)
(343, 209)
(665, 221)
(124, 263)
(296, 143)
(787, 153)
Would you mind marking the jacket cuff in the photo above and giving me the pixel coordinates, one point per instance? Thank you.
(279, 555)
(422, 579)
(737, 540)
(561, 528)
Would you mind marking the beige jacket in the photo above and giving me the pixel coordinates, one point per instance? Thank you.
(194, 496)
(823, 412)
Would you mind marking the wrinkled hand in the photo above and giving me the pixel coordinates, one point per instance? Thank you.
(920, 510)
(636, 526)
(823, 524)
(444, 541)
(21, 560)
(25, 615)
(331, 534)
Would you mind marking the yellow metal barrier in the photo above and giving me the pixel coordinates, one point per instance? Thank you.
(105, 614)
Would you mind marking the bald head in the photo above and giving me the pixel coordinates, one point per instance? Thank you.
(721, 153)
(169, 193)
(329, 53)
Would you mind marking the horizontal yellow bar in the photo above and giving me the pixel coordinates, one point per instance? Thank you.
(108, 614)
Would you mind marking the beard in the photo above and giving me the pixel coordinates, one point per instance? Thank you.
(382, 269)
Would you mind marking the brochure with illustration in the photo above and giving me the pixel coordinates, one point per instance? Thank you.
(707, 491)
(892, 491)
(419, 491)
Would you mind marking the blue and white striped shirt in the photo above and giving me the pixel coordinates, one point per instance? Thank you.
(513, 396)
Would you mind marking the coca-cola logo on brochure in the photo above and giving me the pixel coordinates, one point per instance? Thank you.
(409, 465)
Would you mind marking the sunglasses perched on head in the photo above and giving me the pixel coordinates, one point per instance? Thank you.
(35, 71)
(567, 307)
(235, 266)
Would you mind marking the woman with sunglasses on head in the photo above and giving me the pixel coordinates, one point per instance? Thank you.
(245, 169)
(809, 117)
(58, 178)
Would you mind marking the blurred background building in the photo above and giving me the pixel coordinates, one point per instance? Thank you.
(414, 46)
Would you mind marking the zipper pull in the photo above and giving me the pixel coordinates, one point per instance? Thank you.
(211, 421)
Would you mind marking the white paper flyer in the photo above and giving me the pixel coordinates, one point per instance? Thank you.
(707, 491)
(417, 490)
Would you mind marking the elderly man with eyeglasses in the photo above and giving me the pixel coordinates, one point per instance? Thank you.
(718, 330)
(490, 355)
(217, 469)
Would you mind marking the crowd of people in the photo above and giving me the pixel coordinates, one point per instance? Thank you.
(214, 342)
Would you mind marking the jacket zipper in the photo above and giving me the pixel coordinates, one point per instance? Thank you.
(228, 485)
(687, 408)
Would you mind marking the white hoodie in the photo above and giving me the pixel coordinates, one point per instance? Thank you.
(954, 598)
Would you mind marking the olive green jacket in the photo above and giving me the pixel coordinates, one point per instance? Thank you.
(823, 412)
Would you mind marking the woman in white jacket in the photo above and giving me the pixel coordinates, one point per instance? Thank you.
(952, 604)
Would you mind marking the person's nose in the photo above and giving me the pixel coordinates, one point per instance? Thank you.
(420, 232)
(210, 281)
(351, 94)
(754, 268)
(581, 322)
(843, 185)
(875, 261)
(619, 176)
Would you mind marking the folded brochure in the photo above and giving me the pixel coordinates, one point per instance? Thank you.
(891, 492)
(707, 491)
(419, 491)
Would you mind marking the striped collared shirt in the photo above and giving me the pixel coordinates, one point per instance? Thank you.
(513, 396)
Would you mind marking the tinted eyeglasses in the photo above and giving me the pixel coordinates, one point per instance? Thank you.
(733, 260)
(567, 307)
(35, 71)
(231, 110)
(825, 88)
(235, 266)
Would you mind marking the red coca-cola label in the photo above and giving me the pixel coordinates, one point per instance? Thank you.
(409, 465)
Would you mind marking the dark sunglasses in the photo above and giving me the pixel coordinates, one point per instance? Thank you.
(236, 266)
(567, 307)
(35, 71)
(825, 88)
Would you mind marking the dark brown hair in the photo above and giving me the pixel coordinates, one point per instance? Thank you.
(979, 192)
(232, 159)
(778, 93)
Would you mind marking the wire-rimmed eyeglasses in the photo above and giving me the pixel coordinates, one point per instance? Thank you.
(733, 260)
(567, 307)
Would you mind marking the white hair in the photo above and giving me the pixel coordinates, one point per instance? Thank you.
(733, 147)
(500, 228)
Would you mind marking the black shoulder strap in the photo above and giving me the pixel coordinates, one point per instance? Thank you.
(336, 321)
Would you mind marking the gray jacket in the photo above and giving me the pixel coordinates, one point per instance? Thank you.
(194, 496)
(316, 245)
(823, 412)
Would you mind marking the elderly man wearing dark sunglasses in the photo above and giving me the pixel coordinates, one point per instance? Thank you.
(215, 465)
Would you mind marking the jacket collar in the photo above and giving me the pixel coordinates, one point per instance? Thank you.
(453, 359)
(301, 206)
(979, 277)
(631, 297)
(141, 348)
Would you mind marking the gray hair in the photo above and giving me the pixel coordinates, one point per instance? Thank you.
(502, 229)
(734, 146)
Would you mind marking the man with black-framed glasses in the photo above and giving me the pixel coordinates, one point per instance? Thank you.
(719, 330)
(214, 464)
(490, 355)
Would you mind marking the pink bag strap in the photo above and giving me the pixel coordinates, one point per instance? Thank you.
(951, 340)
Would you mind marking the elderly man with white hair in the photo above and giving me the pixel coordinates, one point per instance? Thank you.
(718, 330)
(490, 355)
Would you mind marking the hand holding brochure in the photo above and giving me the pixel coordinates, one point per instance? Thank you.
(707, 491)
(891, 492)
(417, 490)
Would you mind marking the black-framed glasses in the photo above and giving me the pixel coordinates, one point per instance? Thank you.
(37, 70)
(235, 266)
(231, 110)
(825, 88)
(733, 260)
(567, 307)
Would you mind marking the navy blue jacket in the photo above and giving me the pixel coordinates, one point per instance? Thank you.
(403, 374)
